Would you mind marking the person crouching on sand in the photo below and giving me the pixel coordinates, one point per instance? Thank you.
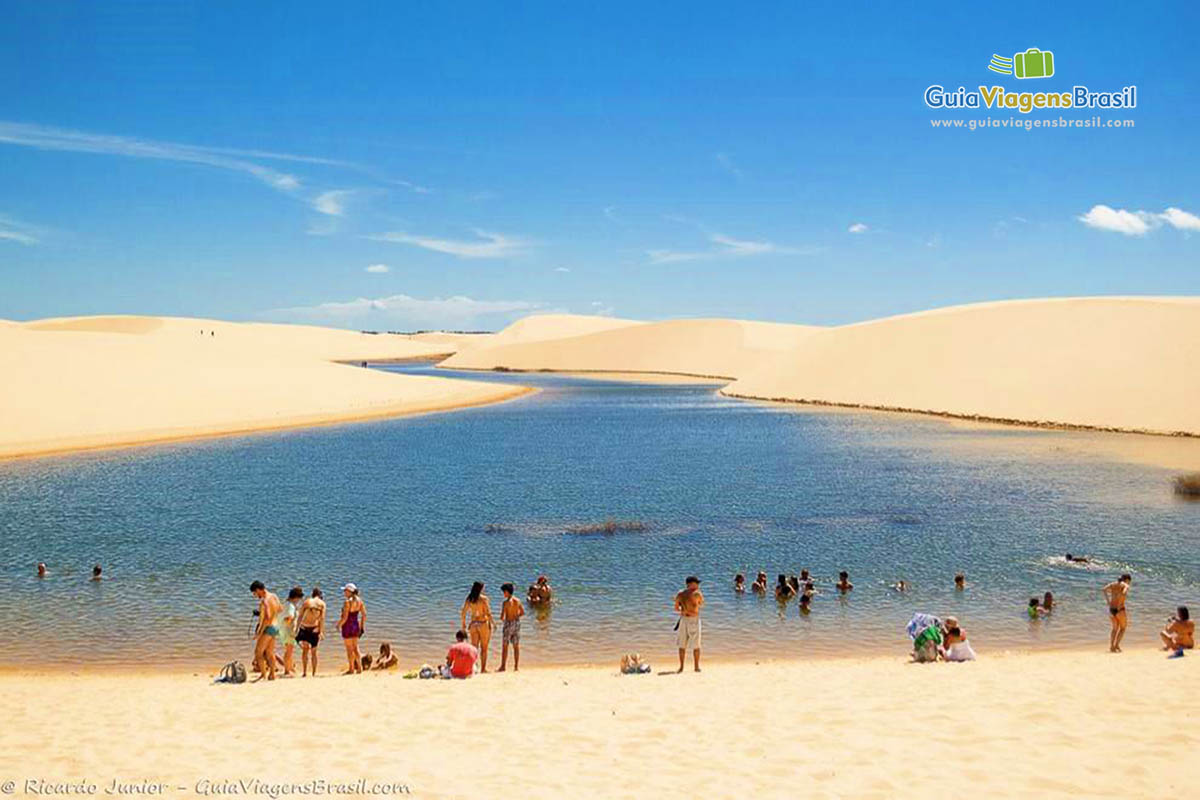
(1180, 633)
(688, 603)
(353, 623)
(310, 627)
(479, 608)
(386, 658)
(511, 612)
(266, 631)
(460, 658)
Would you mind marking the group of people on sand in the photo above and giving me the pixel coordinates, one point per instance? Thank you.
(1177, 635)
(300, 621)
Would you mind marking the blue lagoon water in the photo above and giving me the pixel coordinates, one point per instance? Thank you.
(414, 509)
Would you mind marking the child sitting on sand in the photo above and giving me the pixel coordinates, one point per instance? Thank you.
(386, 658)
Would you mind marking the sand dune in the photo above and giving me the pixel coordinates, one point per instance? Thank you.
(1045, 725)
(1121, 363)
(704, 347)
(104, 381)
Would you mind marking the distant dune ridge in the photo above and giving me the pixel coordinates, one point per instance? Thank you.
(1130, 364)
(87, 382)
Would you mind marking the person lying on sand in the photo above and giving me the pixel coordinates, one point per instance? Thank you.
(1180, 633)
(1116, 593)
(760, 583)
(739, 583)
(386, 658)
(844, 585)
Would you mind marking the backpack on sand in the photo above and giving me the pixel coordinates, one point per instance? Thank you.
(233, 672)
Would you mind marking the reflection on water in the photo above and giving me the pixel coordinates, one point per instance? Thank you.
(414, 509)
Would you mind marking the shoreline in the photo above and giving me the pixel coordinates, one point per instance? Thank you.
(319, 420)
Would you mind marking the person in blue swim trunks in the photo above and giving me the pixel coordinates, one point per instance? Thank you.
(266, 631)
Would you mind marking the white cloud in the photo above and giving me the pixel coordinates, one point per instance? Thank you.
(47, 138)
(858, 227)
(561, 269)
(726, 247)
(1130, 223)
(1138, 223)
(601, 309)
(13, 230)
(488, 245)
(333, 202)
(401, 311)
(1178, 218)
(379, 269)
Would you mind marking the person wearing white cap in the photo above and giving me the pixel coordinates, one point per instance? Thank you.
(353, 624)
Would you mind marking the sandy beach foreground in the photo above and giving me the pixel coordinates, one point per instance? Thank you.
(1009, 725)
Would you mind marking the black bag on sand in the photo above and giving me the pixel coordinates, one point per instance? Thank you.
(233, 672)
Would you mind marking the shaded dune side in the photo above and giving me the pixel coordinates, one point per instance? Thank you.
(1129, 364)
(710, 348)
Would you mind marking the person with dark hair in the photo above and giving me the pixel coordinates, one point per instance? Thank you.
(310, 627)
(266, 631)
(1180, 633)
(760, 583)
(688, 603)
(41, 569)
(540, 593)
(844, 585)
(481, 624)
(460, 658)
(1078, 559)
(739, 583)
(511, 612)
(96, 573)
(1047, 602)
(1034, 609)
(960, 582)
(783, 588)
(287, 631)
(386, 658)
(353, 624)
(805, 604)
(1116, 593)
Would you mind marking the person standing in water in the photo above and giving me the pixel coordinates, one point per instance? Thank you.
(1116, 593)
(481, 624)
(353, 623)
(310, 625)
(41, 569)
(266, 631)
(511, 612)
(688, 603)
(97, 573)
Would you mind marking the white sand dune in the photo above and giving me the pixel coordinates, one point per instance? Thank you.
(1044, 725)
(703, 347)
(1109, 363)
(103, 381)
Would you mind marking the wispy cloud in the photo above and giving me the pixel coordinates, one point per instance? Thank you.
(486, 245)
(47, 138)
(404, 311)
(562, 269)
(726, 163)
(378, 269)
(602, 309)
(1138, 223)
(726, 247)
(332, 203)
(858, 227)
(14, 230)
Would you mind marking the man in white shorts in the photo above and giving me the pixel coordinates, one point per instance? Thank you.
(687, 604)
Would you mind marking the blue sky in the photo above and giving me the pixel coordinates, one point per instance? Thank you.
(648, 160)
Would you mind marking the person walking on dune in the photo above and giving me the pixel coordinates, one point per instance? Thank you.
(480, 627)
(353, 623)
(688, 603)
(264, 635)
(1116, 593)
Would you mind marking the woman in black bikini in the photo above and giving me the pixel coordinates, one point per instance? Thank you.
(311, 624)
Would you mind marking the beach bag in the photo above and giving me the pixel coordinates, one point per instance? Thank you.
(233, 672)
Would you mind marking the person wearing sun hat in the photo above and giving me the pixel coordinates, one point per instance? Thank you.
(687, 604)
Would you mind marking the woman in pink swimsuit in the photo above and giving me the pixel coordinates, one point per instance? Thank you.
(352, 625)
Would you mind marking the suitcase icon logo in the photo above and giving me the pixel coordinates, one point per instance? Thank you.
(1033, 63)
